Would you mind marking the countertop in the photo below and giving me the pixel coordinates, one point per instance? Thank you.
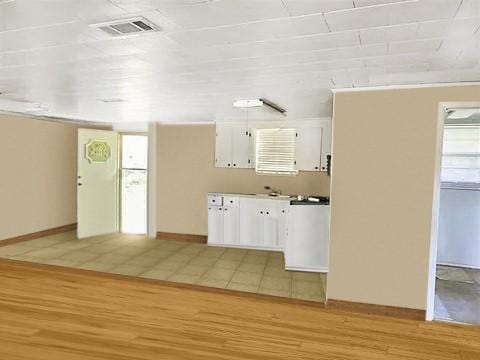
(290, 198)
(256, 196)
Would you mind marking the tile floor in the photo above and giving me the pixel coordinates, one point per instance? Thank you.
(236, 269)
(457, 296)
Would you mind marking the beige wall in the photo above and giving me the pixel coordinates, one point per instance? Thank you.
(38, 164)
(186, 173)
(382, 192)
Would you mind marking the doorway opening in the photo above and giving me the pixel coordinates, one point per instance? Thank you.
(133, 184)
(457, 266)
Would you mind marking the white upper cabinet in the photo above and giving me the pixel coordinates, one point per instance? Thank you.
(241, 146)
(235, 143)
(232, 146)
(223, 145)
(308, 148)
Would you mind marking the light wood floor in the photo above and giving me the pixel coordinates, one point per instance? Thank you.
(55, 314)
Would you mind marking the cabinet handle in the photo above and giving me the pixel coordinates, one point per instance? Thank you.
(283, 211)
(228, 164)
(225, 209)
(220, 209)
(268, 213)
(234, 164)
(261, 212)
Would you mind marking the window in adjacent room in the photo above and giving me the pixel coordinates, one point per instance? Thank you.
(461, 156)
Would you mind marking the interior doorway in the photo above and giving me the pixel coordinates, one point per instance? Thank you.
(457, 266)
(134, 183)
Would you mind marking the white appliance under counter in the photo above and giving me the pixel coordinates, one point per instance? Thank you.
(307, 242)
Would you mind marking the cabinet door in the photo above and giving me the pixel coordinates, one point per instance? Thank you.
(231, 225)
(251, 222)
(215, 225)
(282, 225)
(223, 145)
(270, 233)
(241, 147)
(308, 148)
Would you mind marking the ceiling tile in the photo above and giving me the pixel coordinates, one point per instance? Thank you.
(388, 34)
(399, 47)
(304, 7)
(69, 33)
(392, 14)
(361, 3)
(20, 14)
(448, 28)
(205, 14)
(469, 8)
(251, 32)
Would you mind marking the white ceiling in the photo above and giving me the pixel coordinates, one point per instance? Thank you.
(212, 52)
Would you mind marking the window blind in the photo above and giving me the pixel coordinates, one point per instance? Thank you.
(275, 152)
(461, 156)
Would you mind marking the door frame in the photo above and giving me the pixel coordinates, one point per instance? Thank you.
(432, 262)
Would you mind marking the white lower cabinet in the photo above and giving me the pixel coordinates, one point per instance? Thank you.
(215, 224)
(247, 222)
(270, 219)
(282, 224)
(259, 219)
(231, 225)
(251, 222)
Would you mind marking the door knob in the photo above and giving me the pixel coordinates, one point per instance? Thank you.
(79, 184)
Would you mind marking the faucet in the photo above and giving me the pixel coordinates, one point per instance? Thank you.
(273, 191)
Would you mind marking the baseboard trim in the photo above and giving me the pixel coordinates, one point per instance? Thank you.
(323, 269)
(202, 239)
(38, 234)
(372, 309)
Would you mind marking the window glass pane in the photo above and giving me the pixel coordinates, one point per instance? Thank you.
(134, 151)
(134, 201)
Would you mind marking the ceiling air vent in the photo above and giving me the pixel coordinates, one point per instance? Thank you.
(125, 27)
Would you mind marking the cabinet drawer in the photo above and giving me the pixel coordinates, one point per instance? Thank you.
(215, 200)
(230, 201)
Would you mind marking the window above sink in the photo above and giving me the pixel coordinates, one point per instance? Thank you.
(275, 152)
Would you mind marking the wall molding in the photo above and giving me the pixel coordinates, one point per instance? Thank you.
(202, 239)
(372, 309)
(38, 234)
(406, 86)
